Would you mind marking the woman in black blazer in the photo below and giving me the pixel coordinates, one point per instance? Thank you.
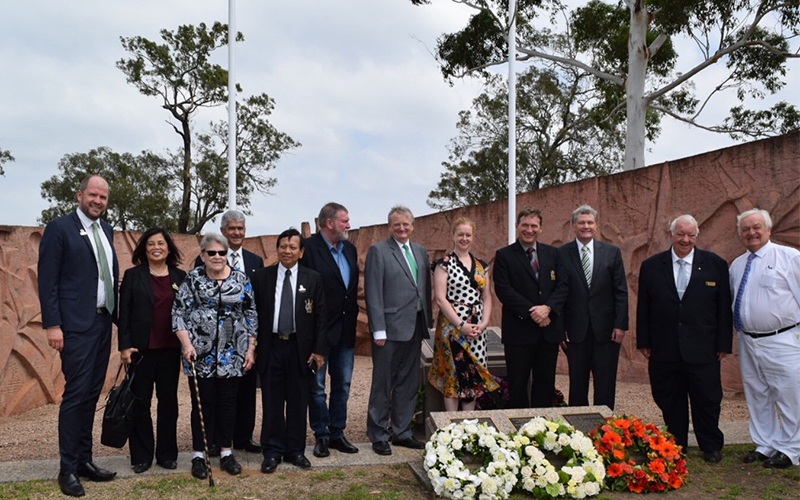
(146, 338)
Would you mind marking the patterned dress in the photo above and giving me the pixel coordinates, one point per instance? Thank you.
(219, 319)
(459, 368)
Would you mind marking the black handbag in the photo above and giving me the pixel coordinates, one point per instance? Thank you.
(119, 410)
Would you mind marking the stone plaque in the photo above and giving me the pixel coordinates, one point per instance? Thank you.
(482, 420)
(518, 422)
(584, 422)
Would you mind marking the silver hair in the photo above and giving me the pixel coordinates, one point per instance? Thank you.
(583, 210)
(213, 238)
(400, 209)
(329, 212)
(231, 216)
(685, 218)
(747, 213)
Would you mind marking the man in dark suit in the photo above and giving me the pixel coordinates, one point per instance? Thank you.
(290, 301)
(524, 280)
(684, 328)
(595, 310)
(78, 274)
(232, 227)
(397, 286)
(329, 253)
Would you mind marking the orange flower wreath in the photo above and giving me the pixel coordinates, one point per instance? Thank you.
(662, 466)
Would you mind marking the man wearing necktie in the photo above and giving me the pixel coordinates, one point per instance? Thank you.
(331, 254)
(595, 303)
(765, 283)
(524, 281)
(683, 327)
(397, 287)
(290, 301)
(233, 228)
(78, 274)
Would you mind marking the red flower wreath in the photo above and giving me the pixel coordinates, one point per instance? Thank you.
(663, 467)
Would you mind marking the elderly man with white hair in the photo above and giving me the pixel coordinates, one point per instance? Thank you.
(765, 283)
(683, 327)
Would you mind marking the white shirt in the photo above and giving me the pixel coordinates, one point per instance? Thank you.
(239, 257)
(676, 267)
(87, 226)
(771, 299)
(279, 292)
(381, 334)
(590, 245)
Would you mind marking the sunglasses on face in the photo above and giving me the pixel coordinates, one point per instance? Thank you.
(221, 253)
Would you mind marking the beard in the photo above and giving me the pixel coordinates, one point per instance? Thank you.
(341, 236)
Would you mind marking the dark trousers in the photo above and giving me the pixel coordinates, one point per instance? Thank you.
(218, 397)
(598, 358)
(284, 393)
(674, 385)
(538, 360)
(84, 361)
(159, 367)
(245, 409)
(395, 385)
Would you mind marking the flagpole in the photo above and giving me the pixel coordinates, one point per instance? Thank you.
(512, 122)
(232, 104)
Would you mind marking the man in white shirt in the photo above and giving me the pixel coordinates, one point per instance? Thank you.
(765, 285)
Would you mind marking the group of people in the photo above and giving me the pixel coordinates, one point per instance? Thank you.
(231, 321)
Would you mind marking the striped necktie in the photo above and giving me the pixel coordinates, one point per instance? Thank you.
(737, 306)
(587, 265)
(105, 273)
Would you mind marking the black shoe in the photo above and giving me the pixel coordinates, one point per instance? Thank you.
(250, 446)
(381, 448)
(409, 442)
(321, 448)
(70, 485)
(199, 468)
(168, 464)
(95, 473)
(139, 468)
(712, 457)
(298, 461)
(269, 465)
(343, 445)
(778, 461)
(213, 451)
(754, 456)
(230, 465)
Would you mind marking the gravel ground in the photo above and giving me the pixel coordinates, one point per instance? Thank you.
(34, 434)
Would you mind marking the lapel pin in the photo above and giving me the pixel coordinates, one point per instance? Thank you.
(83, 232)
(301, 289)
(174, 286)
(309, 306)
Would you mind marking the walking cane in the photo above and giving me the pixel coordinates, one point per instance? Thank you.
(202, 424)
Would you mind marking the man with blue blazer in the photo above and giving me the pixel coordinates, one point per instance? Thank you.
(525, 280)
(684, 328)
(232, 227)
(397, 287)
(329, 253)
(78, 274)
(595, 305)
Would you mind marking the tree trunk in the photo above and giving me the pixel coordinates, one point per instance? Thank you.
(186, 175)
(638, 57)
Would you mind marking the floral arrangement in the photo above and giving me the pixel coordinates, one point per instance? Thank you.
(451, 478)
(662, 466)
(582, 475)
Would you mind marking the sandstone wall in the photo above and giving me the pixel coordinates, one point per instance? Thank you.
(635, 208)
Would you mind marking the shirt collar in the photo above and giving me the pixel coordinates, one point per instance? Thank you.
(338, 246)
(401, 244)
(763, 250)
(526, 248)
(581, 245)
(282, 269)
(689, 258)
(85, 220)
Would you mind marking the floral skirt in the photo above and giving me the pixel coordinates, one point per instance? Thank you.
(455, 371)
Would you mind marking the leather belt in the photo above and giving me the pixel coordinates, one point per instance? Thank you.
(283, 336)
(769, 334)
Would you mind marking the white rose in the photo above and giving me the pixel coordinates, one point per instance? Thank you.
(444, 438)
(551, 476)
(457, 444)
(527, 471)
(563, 439)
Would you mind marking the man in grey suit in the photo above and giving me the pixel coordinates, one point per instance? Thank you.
(398, 290)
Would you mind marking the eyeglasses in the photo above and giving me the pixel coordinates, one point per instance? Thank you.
(221, 253)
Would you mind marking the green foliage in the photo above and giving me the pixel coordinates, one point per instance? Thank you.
(561, 136)
(5, 157)
(139, 196)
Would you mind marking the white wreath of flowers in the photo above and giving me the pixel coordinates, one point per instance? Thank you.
(582, 475)
(450, 476)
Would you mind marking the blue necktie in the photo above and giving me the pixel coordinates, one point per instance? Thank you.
(737, 307)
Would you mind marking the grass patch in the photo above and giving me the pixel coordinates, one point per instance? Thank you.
(328, 475)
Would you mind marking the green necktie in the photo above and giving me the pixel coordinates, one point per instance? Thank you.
(411, 263)
(104, 271)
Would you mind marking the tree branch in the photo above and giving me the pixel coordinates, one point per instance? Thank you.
(572, 62)
(715, 128)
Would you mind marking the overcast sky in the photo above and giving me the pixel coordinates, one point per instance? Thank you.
(353, 81)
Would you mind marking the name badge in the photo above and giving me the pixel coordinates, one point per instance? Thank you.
(711, 283)
(552, 275)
